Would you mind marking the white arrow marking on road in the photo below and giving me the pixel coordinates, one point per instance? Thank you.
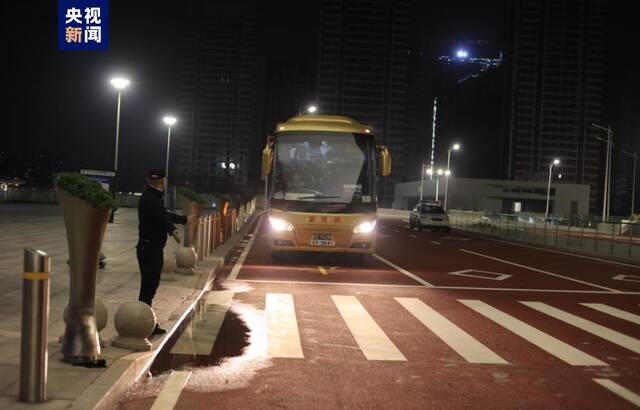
(170, 393)
(610, 335)
(627, 278)
(465, 272)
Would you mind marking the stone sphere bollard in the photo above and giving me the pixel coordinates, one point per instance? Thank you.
(102, 316)
(186, 258)
(134, 322)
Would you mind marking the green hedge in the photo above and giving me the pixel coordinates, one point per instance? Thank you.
(191, 195)
(85, 188)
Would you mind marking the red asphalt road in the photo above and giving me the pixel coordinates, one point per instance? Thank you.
(334, 372)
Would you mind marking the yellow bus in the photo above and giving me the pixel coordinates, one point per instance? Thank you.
(322, 174)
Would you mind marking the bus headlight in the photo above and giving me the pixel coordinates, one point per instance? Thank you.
(365, 227)
(280, 225)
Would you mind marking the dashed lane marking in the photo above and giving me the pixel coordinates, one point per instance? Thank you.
(463, 343)
(403, 271)
(544, 341)
(283, 339)
(435, 242)
(619, 390)
(323, 271)
(373, 342)
(610, 310)
(414, 236)
(171, 390)
(539, 270)
(605, 333)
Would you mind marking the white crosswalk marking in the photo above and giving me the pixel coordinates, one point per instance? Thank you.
(171, 390)
(372, 340)
(610, 335)
(283, 339)
(548, 343)
(201, 342)
(618, 390)
(610, 310)
(464, 344)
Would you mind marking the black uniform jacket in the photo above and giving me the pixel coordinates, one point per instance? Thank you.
(155, 222)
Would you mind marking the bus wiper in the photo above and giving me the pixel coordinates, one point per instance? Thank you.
(319, 197)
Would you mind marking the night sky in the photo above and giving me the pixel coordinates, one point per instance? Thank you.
(59, 108)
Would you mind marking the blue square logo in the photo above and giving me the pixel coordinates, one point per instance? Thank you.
(83, 24)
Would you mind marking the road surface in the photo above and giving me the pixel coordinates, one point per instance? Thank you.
(433, 320)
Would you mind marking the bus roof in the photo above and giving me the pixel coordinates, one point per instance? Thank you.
(335, 123)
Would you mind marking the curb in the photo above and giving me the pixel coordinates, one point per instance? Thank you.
(108, 389)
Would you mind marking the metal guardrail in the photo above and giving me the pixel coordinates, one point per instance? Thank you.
(621, 239)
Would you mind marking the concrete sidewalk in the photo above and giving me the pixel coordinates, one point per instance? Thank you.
(42, 227)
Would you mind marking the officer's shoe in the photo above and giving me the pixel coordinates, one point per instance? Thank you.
(158, 331)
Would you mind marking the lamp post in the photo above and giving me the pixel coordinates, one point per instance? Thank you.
(422, 172)
(555, 162)
(311, 109)
(454, 147)
(440, 172)
(607, 174)
(634, 155)
(119, 83)
(169, 121)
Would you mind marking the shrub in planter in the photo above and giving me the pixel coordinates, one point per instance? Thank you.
(86, 207)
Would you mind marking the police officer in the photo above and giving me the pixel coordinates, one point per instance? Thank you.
(155, 223)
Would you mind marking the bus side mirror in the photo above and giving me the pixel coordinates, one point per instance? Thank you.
(385, 160)
(267, 159)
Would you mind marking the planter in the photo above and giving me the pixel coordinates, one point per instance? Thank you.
(85, 226)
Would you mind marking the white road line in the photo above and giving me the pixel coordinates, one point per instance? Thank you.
(171, 390)
(300, 282)
(463, 343)
(414, 236)
(373, 342)
(610, 310)
(396, 231)
(201, 340)
(435, 242)
(283, 339)
(620, 391)
(236, 268)
(404, 271)
(610, 335)
(561, 252)
(544, 341)
(539, 270)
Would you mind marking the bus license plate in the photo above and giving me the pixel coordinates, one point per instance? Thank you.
(322, 239)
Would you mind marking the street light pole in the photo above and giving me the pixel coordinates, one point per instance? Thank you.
(607, 175)
(439, 174)
(551, 164)
(633, 181)
(119, 83)
(454, 147)
(421, 181)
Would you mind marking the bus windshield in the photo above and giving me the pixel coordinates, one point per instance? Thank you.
(332, 167)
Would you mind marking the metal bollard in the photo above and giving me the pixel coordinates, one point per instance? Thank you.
(35, 319)
(207, 231)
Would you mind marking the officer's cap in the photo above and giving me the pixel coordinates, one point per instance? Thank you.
(156, 174)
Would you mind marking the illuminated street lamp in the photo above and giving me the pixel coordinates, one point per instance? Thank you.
(454, 147)
(119, 83)
(169, 121)
(555, 162)
(461, 53)
(312, 109)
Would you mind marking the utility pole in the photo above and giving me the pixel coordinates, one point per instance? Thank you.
(633, 181)
(607, 175)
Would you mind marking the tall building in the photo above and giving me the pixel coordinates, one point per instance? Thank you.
(217, 95)
(557, 91)
(365, 65)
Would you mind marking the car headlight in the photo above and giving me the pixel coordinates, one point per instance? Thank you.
(365, 227)
(280, 225)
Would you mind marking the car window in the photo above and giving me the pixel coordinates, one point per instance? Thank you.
(431, 209)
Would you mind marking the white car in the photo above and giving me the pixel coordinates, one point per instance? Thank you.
(429, 215)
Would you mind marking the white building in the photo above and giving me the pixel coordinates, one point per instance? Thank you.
(498, 195)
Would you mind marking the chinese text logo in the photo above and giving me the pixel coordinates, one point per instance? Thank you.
(82, 24)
